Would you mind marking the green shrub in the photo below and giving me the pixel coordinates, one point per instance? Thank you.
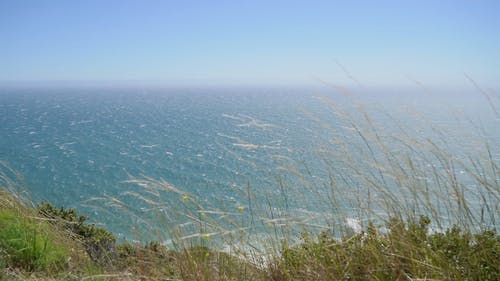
(28, 244)
(99, 243)
(471, 257)
(406, 251)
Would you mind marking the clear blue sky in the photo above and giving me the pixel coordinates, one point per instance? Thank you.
(376, 42)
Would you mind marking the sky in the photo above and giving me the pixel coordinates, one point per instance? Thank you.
(363, 43)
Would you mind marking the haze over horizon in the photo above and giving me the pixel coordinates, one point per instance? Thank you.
(359, 43)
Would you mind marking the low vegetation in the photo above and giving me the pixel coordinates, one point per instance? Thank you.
(405, 252)
(59, 244)
(28, 244)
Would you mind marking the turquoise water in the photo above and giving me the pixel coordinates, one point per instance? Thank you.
(73, 145)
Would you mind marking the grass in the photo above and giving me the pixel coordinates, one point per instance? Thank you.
(385, 205)
(404, 251)
(28, 244)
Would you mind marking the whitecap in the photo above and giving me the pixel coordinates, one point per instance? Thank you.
(354, 224)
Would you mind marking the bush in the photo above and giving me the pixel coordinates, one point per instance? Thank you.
(99, 243)
(406, 251)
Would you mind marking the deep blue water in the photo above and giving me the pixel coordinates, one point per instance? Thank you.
(72, 145)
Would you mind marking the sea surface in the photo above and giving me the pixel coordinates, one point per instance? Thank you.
(80, 147)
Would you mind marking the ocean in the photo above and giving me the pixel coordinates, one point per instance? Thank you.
(90, 147)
